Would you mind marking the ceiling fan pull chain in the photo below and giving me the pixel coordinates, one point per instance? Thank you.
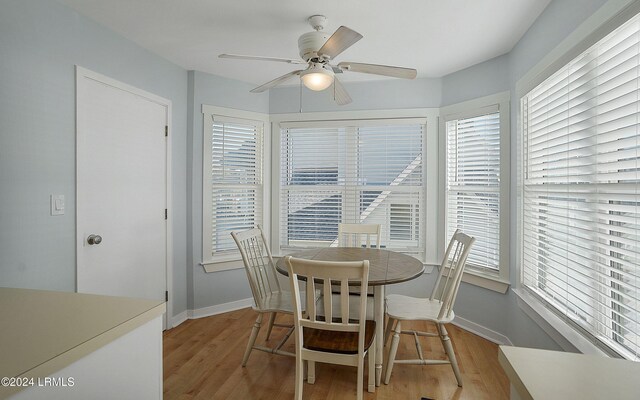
(301, 96)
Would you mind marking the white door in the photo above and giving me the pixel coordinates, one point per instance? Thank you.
(121, 189)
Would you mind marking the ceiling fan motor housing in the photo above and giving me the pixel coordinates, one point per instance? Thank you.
(310, 43)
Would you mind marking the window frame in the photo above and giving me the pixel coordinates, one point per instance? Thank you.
(605, 20)
(229, 259)
(484, 105)
(430, 152)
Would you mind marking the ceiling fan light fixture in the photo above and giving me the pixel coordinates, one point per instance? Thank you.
(317, 78)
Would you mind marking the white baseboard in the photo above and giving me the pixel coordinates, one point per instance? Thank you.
(220, 308)
(178, 319)
(486, 333)
(465, 324)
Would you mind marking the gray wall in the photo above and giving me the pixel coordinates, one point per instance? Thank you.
(40, 42)
(207, 289)
(489, 77)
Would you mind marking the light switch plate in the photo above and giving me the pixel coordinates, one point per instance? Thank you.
(57, 204)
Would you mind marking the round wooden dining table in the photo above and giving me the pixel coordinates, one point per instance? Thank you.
(386, 267)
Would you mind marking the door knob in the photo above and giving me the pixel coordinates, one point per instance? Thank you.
(94, 239)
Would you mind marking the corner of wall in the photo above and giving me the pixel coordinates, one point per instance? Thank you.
(190, 182)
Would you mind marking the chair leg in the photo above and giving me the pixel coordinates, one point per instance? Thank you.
(272, 320)
(371, 372)
(252, 339)
(360, 377)
(311, 372)
(387, 331)
(448, 348)
(299, 376)
(392, 351)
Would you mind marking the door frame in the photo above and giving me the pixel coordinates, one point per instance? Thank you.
(82, 74)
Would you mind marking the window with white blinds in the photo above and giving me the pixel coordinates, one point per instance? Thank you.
(362, 171)
(232, 182)
(581, 191)
(473, 186)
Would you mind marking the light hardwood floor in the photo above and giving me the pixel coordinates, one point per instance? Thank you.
(202, 361)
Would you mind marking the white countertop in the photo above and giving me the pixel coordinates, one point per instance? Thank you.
(547, 375)
(44, 331)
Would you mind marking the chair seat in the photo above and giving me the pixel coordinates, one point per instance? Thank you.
(414, 308)
(276, 302)
(337, 342)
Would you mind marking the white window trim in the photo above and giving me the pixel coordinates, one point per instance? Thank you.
(500, 101)
(430, 175)
(605, 20)
(230, 261)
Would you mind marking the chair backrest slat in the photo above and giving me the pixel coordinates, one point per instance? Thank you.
(449, 277)
(328, 300)
(357, 235)
(325, 273)
(311, 294)
(344, 305)
(258, 264)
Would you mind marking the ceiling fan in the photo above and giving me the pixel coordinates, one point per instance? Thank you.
(317, 50)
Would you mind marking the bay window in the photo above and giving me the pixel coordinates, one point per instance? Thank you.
(581, 191)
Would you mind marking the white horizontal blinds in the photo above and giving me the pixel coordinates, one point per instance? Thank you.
(580, 214)
(313, 181)
(351, 172)
(389, 182)
(236, 179)
(473, 186)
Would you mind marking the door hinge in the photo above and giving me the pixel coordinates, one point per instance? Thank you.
(165, 213)
(166, 295)
(166, 130)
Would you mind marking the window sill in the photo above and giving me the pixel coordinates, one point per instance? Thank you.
(229, 262)
(490, 282)
(568, 338)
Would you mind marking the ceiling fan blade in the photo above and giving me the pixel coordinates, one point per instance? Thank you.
(340, 93)
(387, 70)
(275, 82)
(341, 40)
(260, 58)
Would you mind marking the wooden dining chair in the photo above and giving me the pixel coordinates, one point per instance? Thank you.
(324, 336)
(437, 309)
(267, 294)
(358, 235)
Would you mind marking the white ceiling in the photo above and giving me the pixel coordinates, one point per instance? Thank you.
(437, 37)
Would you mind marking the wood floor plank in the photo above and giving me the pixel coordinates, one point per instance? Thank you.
(202, 361)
